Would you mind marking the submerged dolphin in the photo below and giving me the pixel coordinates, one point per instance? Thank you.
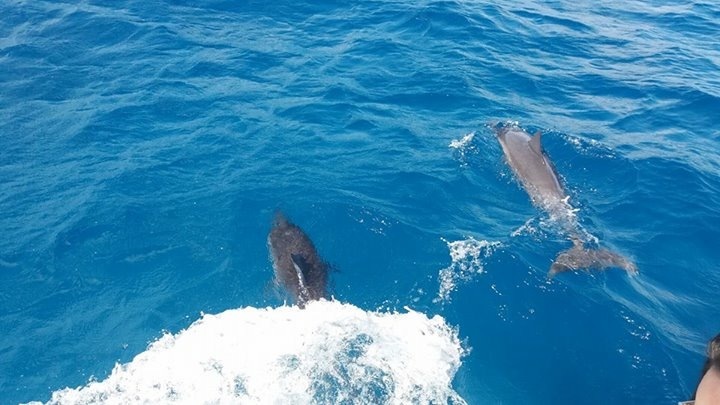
(532, 167)
(297, 265)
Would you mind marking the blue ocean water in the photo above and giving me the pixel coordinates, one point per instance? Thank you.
(145, 146)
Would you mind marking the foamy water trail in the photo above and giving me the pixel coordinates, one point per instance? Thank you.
(462, 142)
(557, 217)
(328, 353)
(463, 147)
(467, 257)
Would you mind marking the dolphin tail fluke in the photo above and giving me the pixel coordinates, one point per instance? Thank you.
(579, 257)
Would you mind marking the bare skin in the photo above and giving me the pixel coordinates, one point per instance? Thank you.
(708, 391)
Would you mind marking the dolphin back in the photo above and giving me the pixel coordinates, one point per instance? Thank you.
(580, 257)
(298, 266)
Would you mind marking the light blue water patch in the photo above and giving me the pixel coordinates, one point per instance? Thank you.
(145, 146)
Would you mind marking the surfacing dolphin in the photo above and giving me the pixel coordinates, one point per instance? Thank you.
(532, 167)
(297, 265)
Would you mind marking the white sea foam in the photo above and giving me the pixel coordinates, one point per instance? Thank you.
(529, 228)
(560, 216)
(589, 146)
(467, 257)
(463, 147)
(462, 142)
(328, 353)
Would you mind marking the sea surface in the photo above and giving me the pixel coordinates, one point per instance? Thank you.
(145, 147)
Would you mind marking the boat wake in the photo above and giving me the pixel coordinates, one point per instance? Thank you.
(329, 352)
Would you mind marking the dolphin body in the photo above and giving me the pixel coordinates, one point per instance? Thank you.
(532, 167)
(297, 265)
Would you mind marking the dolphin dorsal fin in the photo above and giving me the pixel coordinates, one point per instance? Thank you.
(300, 265)
(534, 143)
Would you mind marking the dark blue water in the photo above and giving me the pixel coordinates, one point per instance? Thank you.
(144, 147)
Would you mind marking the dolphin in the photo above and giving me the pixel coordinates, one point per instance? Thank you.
(297, 265)
(524, 154)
